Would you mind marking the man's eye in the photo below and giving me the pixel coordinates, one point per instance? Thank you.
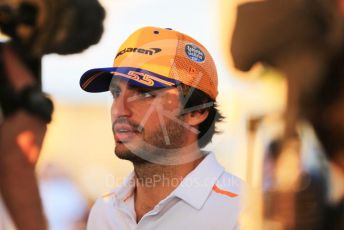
(115, 93)
(147, 94)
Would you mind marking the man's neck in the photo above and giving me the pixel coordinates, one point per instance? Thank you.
(155, 182)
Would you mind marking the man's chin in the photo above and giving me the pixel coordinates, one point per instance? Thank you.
(123, 153)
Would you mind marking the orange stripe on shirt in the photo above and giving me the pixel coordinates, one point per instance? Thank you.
(106, 195)
(223, 192)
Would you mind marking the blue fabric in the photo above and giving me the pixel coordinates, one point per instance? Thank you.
(98, 80)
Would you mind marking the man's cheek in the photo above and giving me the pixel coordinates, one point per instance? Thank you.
(169, 108)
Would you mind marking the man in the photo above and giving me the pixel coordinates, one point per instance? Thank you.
(164, 85)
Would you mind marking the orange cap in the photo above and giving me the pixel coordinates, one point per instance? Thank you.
(156, 57)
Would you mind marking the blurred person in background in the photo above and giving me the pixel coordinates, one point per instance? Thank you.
(164, 87)
(309, 52)
(33, 28)
(326, 114)
(21, 138)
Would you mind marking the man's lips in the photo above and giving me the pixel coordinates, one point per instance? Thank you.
(124, 132)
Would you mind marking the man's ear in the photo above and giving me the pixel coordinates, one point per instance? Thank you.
(196, 117)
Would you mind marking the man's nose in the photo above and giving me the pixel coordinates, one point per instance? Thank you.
(120, 107)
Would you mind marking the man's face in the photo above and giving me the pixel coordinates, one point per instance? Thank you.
(146, 123)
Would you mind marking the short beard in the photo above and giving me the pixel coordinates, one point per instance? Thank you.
(132, 157)
(156, 147)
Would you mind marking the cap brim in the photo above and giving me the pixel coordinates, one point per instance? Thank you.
(98, 80)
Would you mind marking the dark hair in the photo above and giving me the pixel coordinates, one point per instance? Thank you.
(194, 99)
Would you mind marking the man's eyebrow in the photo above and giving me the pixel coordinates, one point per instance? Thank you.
(134, 87)
(144, 89)
(140, 89)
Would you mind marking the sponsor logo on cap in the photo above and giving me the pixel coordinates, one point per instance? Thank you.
(143, 78)
(194, 53)
(149, 51)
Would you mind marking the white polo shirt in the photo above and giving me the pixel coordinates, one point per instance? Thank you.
(207, 198)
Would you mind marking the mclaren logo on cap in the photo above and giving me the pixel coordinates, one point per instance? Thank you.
(194, 53)
(150, 51)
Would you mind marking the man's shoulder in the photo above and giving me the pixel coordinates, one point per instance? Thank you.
(101, 208)
(227, 193)
(107, 196)
(99, 214)
(229, 185)
(225, 199)
(121, 191)
(104, 200)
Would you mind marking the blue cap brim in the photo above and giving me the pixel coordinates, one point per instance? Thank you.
(98, 80)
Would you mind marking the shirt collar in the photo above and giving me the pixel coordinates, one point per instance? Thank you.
(196, 186)
(126, 189)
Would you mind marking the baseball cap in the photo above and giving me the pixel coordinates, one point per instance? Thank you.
(154, 57)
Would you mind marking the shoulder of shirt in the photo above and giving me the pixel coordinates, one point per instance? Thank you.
(100, 210)
(108, 195)
(229, 185)
(102, 204)
(105, 198)
(111, 196)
